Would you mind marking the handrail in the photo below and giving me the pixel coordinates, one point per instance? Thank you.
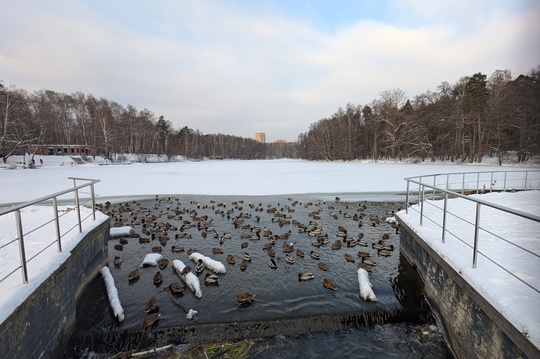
(530, 179)
(16, 209)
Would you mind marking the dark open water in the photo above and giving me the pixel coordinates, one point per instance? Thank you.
(296, 319)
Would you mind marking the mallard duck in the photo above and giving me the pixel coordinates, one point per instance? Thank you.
(118, 247)
(352, 243)
(327, 283)
(199, 267)
(158, 278)
(305, 276)
(271, 253)
(244, 245)
(362, 243)
(123, 241)
(243, 266)
(185, 271)
(289, 259)
(388, 247)
(267, 246)
(176, 287)
(386, 236)
(336, 245)
(369, 261)
(157, 249)
(363, 254)
(191, 251)
(314, 255)
(272, 263)
(288, 248)
(117, 261)
(364, 266)
(245, 299)
(323, 266)
(152, 305)
(246, 257)
(384, 253)
(163, 263)
(211, 279)
(217, 250)
(230, 259)
(134, 274)
(300, 253)
(377, 246)
(349, 258)
(176, 249)
(150, 320)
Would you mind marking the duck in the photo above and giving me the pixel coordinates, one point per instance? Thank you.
(267, 246)
(185, 271)
(216, 250)
(352, 243)
(289, 259)
(363, 254)
(176, 287)
(134, 274)
(384, 253)
(158, 278)
(327, 283)
(123, 241)
(302, 277)
(271, 253)
(300, 253)
(245, 299)
(244, 245)
(323, 266)
(150, 320)
(369, 261)
(288, 248)
(117, 261)
(364, 266)
(211, 279)
(163, 263)
(230, 259)
(336, 245)
(152, 305)
(246, 257)
(177, 249)
(314, 255)
(157, 249)
(349, 258)
(118, 247)
(243, 265)
(199, 267)
(272, 263)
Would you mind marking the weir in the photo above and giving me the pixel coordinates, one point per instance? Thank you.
(283, 305)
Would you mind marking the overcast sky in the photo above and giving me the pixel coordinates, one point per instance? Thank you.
(241, 66)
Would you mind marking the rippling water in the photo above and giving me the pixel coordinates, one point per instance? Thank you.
(283, 305)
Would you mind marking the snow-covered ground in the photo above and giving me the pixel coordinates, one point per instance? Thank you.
(259, 177)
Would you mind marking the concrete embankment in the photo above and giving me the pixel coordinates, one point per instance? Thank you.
(41, 326)
(475, 329)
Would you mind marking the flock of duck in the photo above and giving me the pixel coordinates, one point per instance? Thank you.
(167, 224)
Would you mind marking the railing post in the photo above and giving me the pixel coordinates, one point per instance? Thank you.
(491, 183)
(434, 186)
(422, 205)
(526, 179)
(504, 185)
(407, 199)
(78, 205)
(93, 201)
(463, 184)
(21, 246)
(476, 230)
(444, 216)
(477, 182)
(447, 180)
(57, 224)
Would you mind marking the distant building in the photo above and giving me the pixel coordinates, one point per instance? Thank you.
(280, 141)
(260, 137)
(59, 150)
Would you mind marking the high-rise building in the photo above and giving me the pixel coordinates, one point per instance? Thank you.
(260, 137)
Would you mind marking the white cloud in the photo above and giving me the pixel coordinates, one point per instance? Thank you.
(219, 68)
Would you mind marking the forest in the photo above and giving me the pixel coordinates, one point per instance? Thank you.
(475, 117)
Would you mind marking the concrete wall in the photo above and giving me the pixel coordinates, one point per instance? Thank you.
(474, 328)
(41, 326)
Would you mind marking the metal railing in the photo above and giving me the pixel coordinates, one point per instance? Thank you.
(16, 210)
(460, 185)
